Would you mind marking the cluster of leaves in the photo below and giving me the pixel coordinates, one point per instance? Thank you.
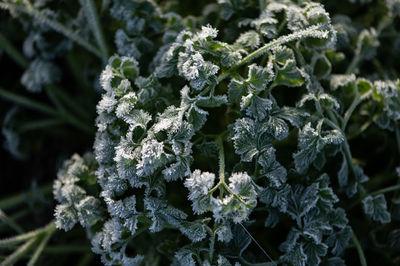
(213, 128)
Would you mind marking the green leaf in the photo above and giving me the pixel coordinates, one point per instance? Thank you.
(287, 72)
(339, 240)
(211, 100)
(311, 143)
(256, 106)
(289, 75)
(272, 169)
(250, 138)
(295, 257)
(314, 252)
(249, 39)
(376, 208)
(321, 66)
(197, 117)
(258, 77)
(302, 200)
(236, 90)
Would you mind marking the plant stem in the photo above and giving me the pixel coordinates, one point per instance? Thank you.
(28, 126)
(221, 159)
(397, 129)
(353, 64)
(363, 261)
(28, 102)
(212, 243)
(7, 220)
(66, 249)
(45, 109)
(26, 236)
(17, 199)
(14, 257)
(86, 259)
(49, 232)
(55, 25)
(12, 52)
(15, 217)
(312, 31)
(380, 191)
(94, 22)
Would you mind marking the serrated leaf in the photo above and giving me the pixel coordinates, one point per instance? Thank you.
(250, 138)
(289, 75)
(211, 100)
(249, 39)
(256, 107)
(236, 90)
(272, 169)
(197, 117)
(311, 143)
(302, 200)
(314, 252)
(258, 77)
(338, 81)
(277, 198)
(376, 208)
(295, 257)
(339, 240)
(195, 231)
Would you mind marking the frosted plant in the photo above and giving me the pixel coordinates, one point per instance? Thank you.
(226, 138)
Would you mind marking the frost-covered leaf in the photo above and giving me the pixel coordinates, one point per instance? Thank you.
(295, 256)
(197, 117)
(255, 106)
(314, 252)
(376, 208)
(185, 257)
(249, 39)
(40, 73)
(250, 138)
(195, 231)
(311, 143)
(272, 169)
(287, 72)
(302, 200)
(339, 240)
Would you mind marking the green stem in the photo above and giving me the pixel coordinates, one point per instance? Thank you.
(346, 146)
(86, 259)
(363, 261)
(14, 200)
(55, 25)
(227, 188)
(13, 53)
(20, 252)
(39, 124)
(312, 31)
(16, 217)
(26, 236)
(43, 108)
(221, 159)
(212, 243)
(49, 232)
(380, 191)
(10, 222)
(54, 99)
(353, 64)
(357, 100)
(59, 249)
(397, 129)
(94, 22)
